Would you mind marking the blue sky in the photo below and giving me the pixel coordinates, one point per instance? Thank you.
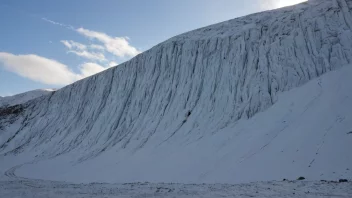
(49, 44)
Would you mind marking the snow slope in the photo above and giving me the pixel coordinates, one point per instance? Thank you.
(304, 133)
(243, 100)
(23, 97)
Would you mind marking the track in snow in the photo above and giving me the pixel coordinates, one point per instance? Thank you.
(10, 173)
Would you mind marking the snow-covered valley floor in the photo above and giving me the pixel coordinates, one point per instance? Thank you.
(40, 188)
(14, 186)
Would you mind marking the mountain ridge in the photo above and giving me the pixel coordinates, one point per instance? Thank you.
(23, 97)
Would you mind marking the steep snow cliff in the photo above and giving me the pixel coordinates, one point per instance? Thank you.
(184, 93)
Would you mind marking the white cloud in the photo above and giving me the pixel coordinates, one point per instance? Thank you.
(38, 68)
(118, 46)
(283, 3)
(96, 47)
(73, 45)
(88, 69)
(89, 55)
(67, 44)
(78, 45)
(272, 4)
(82, 50)
(112, 63)
(44, 70)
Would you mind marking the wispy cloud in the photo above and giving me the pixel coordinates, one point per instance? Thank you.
(73, 45)
(83, 50)
(52, 72)
(89, 55)
(119, 46)
(57, 23)
(44, 70)
(97, 47)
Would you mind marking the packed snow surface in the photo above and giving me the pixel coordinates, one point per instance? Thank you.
(45, 189)
(262, 97)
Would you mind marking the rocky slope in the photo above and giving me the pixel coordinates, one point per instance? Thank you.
(191, 90)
